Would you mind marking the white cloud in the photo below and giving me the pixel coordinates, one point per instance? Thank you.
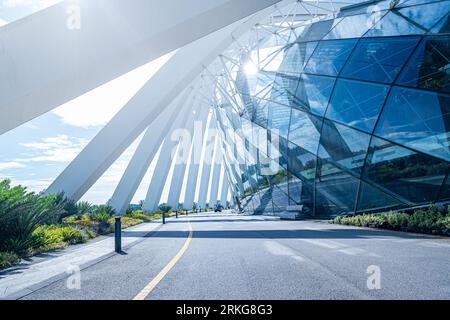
(98, 106)
(60, 148)
(36, 4)
(35, 185)
(11, 165)
(3, 22)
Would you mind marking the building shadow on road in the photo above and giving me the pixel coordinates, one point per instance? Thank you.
(274, 234)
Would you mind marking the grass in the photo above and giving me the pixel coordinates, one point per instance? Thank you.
(429, 221)
(8, 259)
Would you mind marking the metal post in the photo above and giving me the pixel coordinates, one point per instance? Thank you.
(164, 217)
(176, 214)
(118, 234)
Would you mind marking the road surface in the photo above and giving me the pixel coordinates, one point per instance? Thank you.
(227, 256)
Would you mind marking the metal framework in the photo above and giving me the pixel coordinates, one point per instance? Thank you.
(57, 64)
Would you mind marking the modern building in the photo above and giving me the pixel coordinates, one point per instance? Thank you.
(312, 107)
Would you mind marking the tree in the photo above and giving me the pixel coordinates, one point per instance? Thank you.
(164, 207)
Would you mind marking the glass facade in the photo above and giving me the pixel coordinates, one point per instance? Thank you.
(346, 114)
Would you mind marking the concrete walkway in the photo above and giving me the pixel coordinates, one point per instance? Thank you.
(38, 272)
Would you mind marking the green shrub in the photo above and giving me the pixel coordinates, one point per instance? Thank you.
(101, 217)
(428, 220)
(141, 216)
(8, 259)
(21, 212)
(53, 236)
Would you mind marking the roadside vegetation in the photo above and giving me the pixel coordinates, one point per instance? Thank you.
(429, 220)
(33, 223)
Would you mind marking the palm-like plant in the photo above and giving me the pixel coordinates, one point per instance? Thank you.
(21, 212)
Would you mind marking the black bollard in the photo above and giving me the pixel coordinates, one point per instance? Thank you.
(118, 234)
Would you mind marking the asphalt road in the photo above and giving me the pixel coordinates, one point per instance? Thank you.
(250, 257)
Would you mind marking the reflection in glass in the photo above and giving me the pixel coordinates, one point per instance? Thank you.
(418, 119)
(410, 20)
(329, 57)
(278, 119)
(313, 93)
(357, 104)
(371, 198)
(429, 66)
(301, 163)
(343, 146)
(414, 177)
(337, 186)
(379, 59)
(304, 130)
(296, 57)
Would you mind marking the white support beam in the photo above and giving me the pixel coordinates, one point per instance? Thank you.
(145, 106)
(145, 152)
(224, 192)
(168, 155)
(59, 53)
(217, 168)
(194, 164)
(176, 183)
(211, 144)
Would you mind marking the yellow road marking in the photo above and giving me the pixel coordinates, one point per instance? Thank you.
(152, 284)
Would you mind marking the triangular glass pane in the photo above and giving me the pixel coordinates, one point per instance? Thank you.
(343, 146)
(412, 176)
(417, 119)
(371, 198)
(443, 26)
(336, 185)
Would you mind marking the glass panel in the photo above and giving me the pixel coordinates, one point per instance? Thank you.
(362, 8)
(391, 25)
(280, 199)
(407, 3)
(371, 198)
(247, 204)
(429, 66)
(256, 203)
(418, 119)
(445, 193)
(326, 208)
(300, 192)
(275, 174)
(265, 201)
(329, 57)
(261, 110)
(279, 119)
(304, 130)
(337, 186)
(357, 104)
(284, 88)
(412, 176)
(409, 20)
(313, 93)
(317, 30)
(443, 26)
(353, 26)
(379, 59)
(344, 146)
(277, 149)
(296, 57)
(301, 163)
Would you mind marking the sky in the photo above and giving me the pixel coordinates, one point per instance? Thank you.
(35, 153)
